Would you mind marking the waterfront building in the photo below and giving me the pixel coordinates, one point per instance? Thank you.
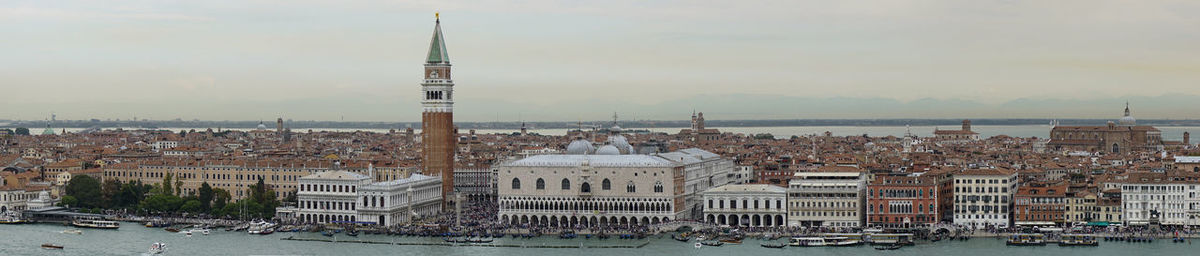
(438, 138)
(829, 196)
(236, 176)
(329, 196)
(1119, 137)
(956, 136)
(702, 171)
(1160, 199)
(400, 201)
(983, 197)
(746, 205)
(1087, 208)
(605, 186)
(1040, 204)
(349, 197)
(904, 201)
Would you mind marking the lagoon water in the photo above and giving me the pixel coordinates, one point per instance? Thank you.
(1041, 131)
(133, 239)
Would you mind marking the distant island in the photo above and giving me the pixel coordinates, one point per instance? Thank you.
(311, 124)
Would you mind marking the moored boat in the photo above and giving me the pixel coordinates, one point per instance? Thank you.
(774, 245)
(95, 222)
(1026, 240)
(1078, 240)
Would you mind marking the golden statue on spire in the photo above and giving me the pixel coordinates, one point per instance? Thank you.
(437, 16)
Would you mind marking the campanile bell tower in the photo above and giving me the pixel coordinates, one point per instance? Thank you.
(437, 119)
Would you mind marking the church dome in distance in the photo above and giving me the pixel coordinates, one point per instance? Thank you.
(1128, 119)
(579, 147)
(261, 126)
(608, 150)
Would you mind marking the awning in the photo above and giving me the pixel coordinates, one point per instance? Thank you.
(1098, 223)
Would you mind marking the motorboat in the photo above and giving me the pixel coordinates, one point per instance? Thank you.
(814, 241)
(157, 248)
(10, 218)
(1026, 239)
(203, 231)
(712, 243)
(774, 245)
(73, 231)
(95, 222)
(49, 246)
(1077, 240)
(172, 230)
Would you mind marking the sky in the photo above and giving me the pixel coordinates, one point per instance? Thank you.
(543, 60)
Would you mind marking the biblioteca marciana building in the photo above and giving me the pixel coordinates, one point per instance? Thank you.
(606, 186)
(347, 197)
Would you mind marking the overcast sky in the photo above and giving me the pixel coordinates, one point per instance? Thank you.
(583, 60)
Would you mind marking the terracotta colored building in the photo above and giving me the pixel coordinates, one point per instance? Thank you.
(903, 201)
(1040, 204)
(437, 120)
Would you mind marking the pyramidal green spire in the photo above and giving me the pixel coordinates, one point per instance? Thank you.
(437, 47)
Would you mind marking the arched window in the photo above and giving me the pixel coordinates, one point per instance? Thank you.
(1116, 148)
(607, 185)
(516, 183)
(541, 184)
(658, 188)
(566, 184)
(630, 187)
(585, 188)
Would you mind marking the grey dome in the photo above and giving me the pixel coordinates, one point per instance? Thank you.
(608, 150)
(579, 147)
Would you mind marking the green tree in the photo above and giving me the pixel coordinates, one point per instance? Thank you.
(166, 184)
(191, 206)
(264, 198)
(22, 131)
(109, 193)
(205, 195)
(68, 201)
(161, 203)
(86, 189)
(220, 201)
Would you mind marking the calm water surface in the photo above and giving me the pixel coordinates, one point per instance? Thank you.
(1040, 131)
(133, 239)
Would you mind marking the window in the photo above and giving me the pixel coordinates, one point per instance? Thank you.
(516, 183)
(629, 187)
(541, 184)
(566, 184)
(606, 185)
(585, 188)
(658, 187)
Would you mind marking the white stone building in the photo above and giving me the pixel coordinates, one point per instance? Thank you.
(348, 197)
(746, 205)
(606, 185)
(1156, 199)
(399, 201)
(830, 196)
(984, 197)
(329, 196)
